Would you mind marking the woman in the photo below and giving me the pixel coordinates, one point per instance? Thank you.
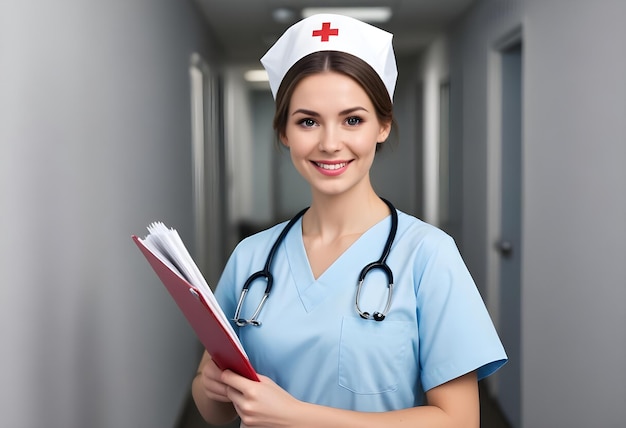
(330, 353)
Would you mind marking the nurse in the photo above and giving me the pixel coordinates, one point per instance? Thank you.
(320, 363)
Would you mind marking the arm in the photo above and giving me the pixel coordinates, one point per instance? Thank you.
(264, 404)
(209, 393)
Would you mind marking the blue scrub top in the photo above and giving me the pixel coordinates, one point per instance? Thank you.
(313, 343)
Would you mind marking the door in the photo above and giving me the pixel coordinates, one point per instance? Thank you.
(509, 245)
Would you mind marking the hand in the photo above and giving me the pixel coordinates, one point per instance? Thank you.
(210, 379)
(260, 404)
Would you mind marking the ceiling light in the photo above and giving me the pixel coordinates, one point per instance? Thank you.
(367, 14)
(256, 76)
(283, 15)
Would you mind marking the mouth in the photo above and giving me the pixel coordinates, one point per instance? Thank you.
(331, 166)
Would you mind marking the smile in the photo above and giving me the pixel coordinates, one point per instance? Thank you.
(331, 166)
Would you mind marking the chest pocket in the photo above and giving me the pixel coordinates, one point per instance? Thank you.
(373, 355)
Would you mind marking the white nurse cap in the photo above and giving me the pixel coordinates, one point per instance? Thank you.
(330, 32)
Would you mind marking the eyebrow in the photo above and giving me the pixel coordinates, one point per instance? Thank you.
(341, 113)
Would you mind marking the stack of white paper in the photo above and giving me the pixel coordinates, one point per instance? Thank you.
(166, 244)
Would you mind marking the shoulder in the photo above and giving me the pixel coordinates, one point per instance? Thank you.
(418, 232)
(259, 242)
(249, 254)
(425, 246)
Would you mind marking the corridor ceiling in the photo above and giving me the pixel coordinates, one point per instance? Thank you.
(245, 29)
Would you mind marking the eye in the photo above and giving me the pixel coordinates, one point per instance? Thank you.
(353, 121)
(307, 122)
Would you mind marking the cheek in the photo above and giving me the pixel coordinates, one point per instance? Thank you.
(366, 145)
(296, 153)
(300, 143)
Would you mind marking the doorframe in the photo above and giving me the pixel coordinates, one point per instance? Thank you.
(207, 173)
(494, 173)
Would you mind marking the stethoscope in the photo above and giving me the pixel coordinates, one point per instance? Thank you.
(381, 264)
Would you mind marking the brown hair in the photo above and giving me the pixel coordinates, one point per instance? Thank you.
(339, 62)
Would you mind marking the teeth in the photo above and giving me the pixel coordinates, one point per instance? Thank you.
(331, 167)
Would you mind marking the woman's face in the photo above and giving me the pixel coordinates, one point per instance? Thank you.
(332, 130)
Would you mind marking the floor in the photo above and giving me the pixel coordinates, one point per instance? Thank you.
(490, 414)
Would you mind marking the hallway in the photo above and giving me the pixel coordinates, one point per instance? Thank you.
(95, 143)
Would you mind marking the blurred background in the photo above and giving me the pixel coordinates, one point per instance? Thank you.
(512, 138)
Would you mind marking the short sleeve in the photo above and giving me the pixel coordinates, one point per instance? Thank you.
(456, 333)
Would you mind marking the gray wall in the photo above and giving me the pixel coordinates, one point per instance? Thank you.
(95, 144)
(574, 198)
(575, 215)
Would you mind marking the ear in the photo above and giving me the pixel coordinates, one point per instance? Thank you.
(384, 132)
(284, 141)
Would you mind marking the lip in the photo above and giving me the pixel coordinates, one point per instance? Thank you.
(331, 168)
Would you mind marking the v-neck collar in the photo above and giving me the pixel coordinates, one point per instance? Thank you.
(342, 272)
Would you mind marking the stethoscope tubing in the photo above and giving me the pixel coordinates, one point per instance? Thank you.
(266, 273)
(380, 264)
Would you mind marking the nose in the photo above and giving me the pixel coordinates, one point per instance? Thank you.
(330, 140)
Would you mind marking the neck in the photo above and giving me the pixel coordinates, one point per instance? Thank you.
(344, 214)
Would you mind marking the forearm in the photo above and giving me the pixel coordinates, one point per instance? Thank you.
(454, 404)
(313, 416)
(214, 412)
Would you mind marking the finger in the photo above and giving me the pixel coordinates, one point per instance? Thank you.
(215, 391)
(234, 380)
(212, 385)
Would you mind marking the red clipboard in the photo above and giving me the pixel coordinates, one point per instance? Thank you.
(212, 335)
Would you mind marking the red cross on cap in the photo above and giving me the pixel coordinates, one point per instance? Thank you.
(325, 32)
